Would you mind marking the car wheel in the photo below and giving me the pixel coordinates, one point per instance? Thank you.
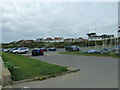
(16, 52)
(26, 52)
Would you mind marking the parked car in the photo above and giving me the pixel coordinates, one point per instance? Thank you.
(72, 48)
(117, 49)
(93, 52)
(103, 52)
(10, 50)
(37, 52)
(117, 53)
(36, 48)
(52, 49)
(0, 49)
(45, 49)
(108, 49)
(5, 50)
(20, 50)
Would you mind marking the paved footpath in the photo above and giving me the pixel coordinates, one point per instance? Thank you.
(95, 72)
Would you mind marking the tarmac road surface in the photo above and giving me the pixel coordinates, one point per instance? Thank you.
(95, 72)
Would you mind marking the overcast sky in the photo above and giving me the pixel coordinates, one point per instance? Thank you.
(30, 20)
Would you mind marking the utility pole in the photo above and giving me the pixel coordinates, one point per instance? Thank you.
(87, 40)
(104, 40)
(118, 41)
(111, 37)
(96, 38)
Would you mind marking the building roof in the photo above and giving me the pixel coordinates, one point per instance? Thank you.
(103, 35)
(80, 38)
(58, 38)
(48, 39)
(89, 34)
(69, 39)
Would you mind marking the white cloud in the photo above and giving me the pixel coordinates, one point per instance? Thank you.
(42, 19)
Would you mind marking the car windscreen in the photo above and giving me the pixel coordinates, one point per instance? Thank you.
(73, 47)
(15, 48)
(42, 48)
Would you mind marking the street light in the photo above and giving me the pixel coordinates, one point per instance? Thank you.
(119, 37)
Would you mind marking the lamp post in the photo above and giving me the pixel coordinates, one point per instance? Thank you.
(118, 42)
(104, 40)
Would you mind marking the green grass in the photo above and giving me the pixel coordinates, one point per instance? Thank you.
(86, 54)
(0, 82)
(30, 68)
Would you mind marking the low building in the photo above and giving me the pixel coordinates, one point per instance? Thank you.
(95, 37)
(39, 40)
(80, 39)
(58, 39)
(69, 40)
(48, 39)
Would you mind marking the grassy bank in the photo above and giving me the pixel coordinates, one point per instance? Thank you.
(86, 54)
(26, 68)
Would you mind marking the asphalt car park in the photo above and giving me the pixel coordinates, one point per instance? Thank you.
(95, 72)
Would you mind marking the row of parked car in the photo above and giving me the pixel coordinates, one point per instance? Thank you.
(103, 51)
(47, 49)
(25, 50)
(17, 50)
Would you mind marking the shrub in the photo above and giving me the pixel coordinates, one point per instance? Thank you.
(10, 66)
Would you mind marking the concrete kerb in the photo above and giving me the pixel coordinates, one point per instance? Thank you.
(70, 70)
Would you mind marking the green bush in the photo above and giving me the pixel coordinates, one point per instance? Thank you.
(10, 66)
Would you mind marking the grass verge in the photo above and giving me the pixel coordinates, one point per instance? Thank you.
(27, 68)
(86, 54)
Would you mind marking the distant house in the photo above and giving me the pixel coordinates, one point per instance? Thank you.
(48, 39)
(69, 40)
(80, 39)
(58, 39)
(39, 40)
(94, 37)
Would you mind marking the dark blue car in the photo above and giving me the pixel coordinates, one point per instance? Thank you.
(37, 52)
(108, 49)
